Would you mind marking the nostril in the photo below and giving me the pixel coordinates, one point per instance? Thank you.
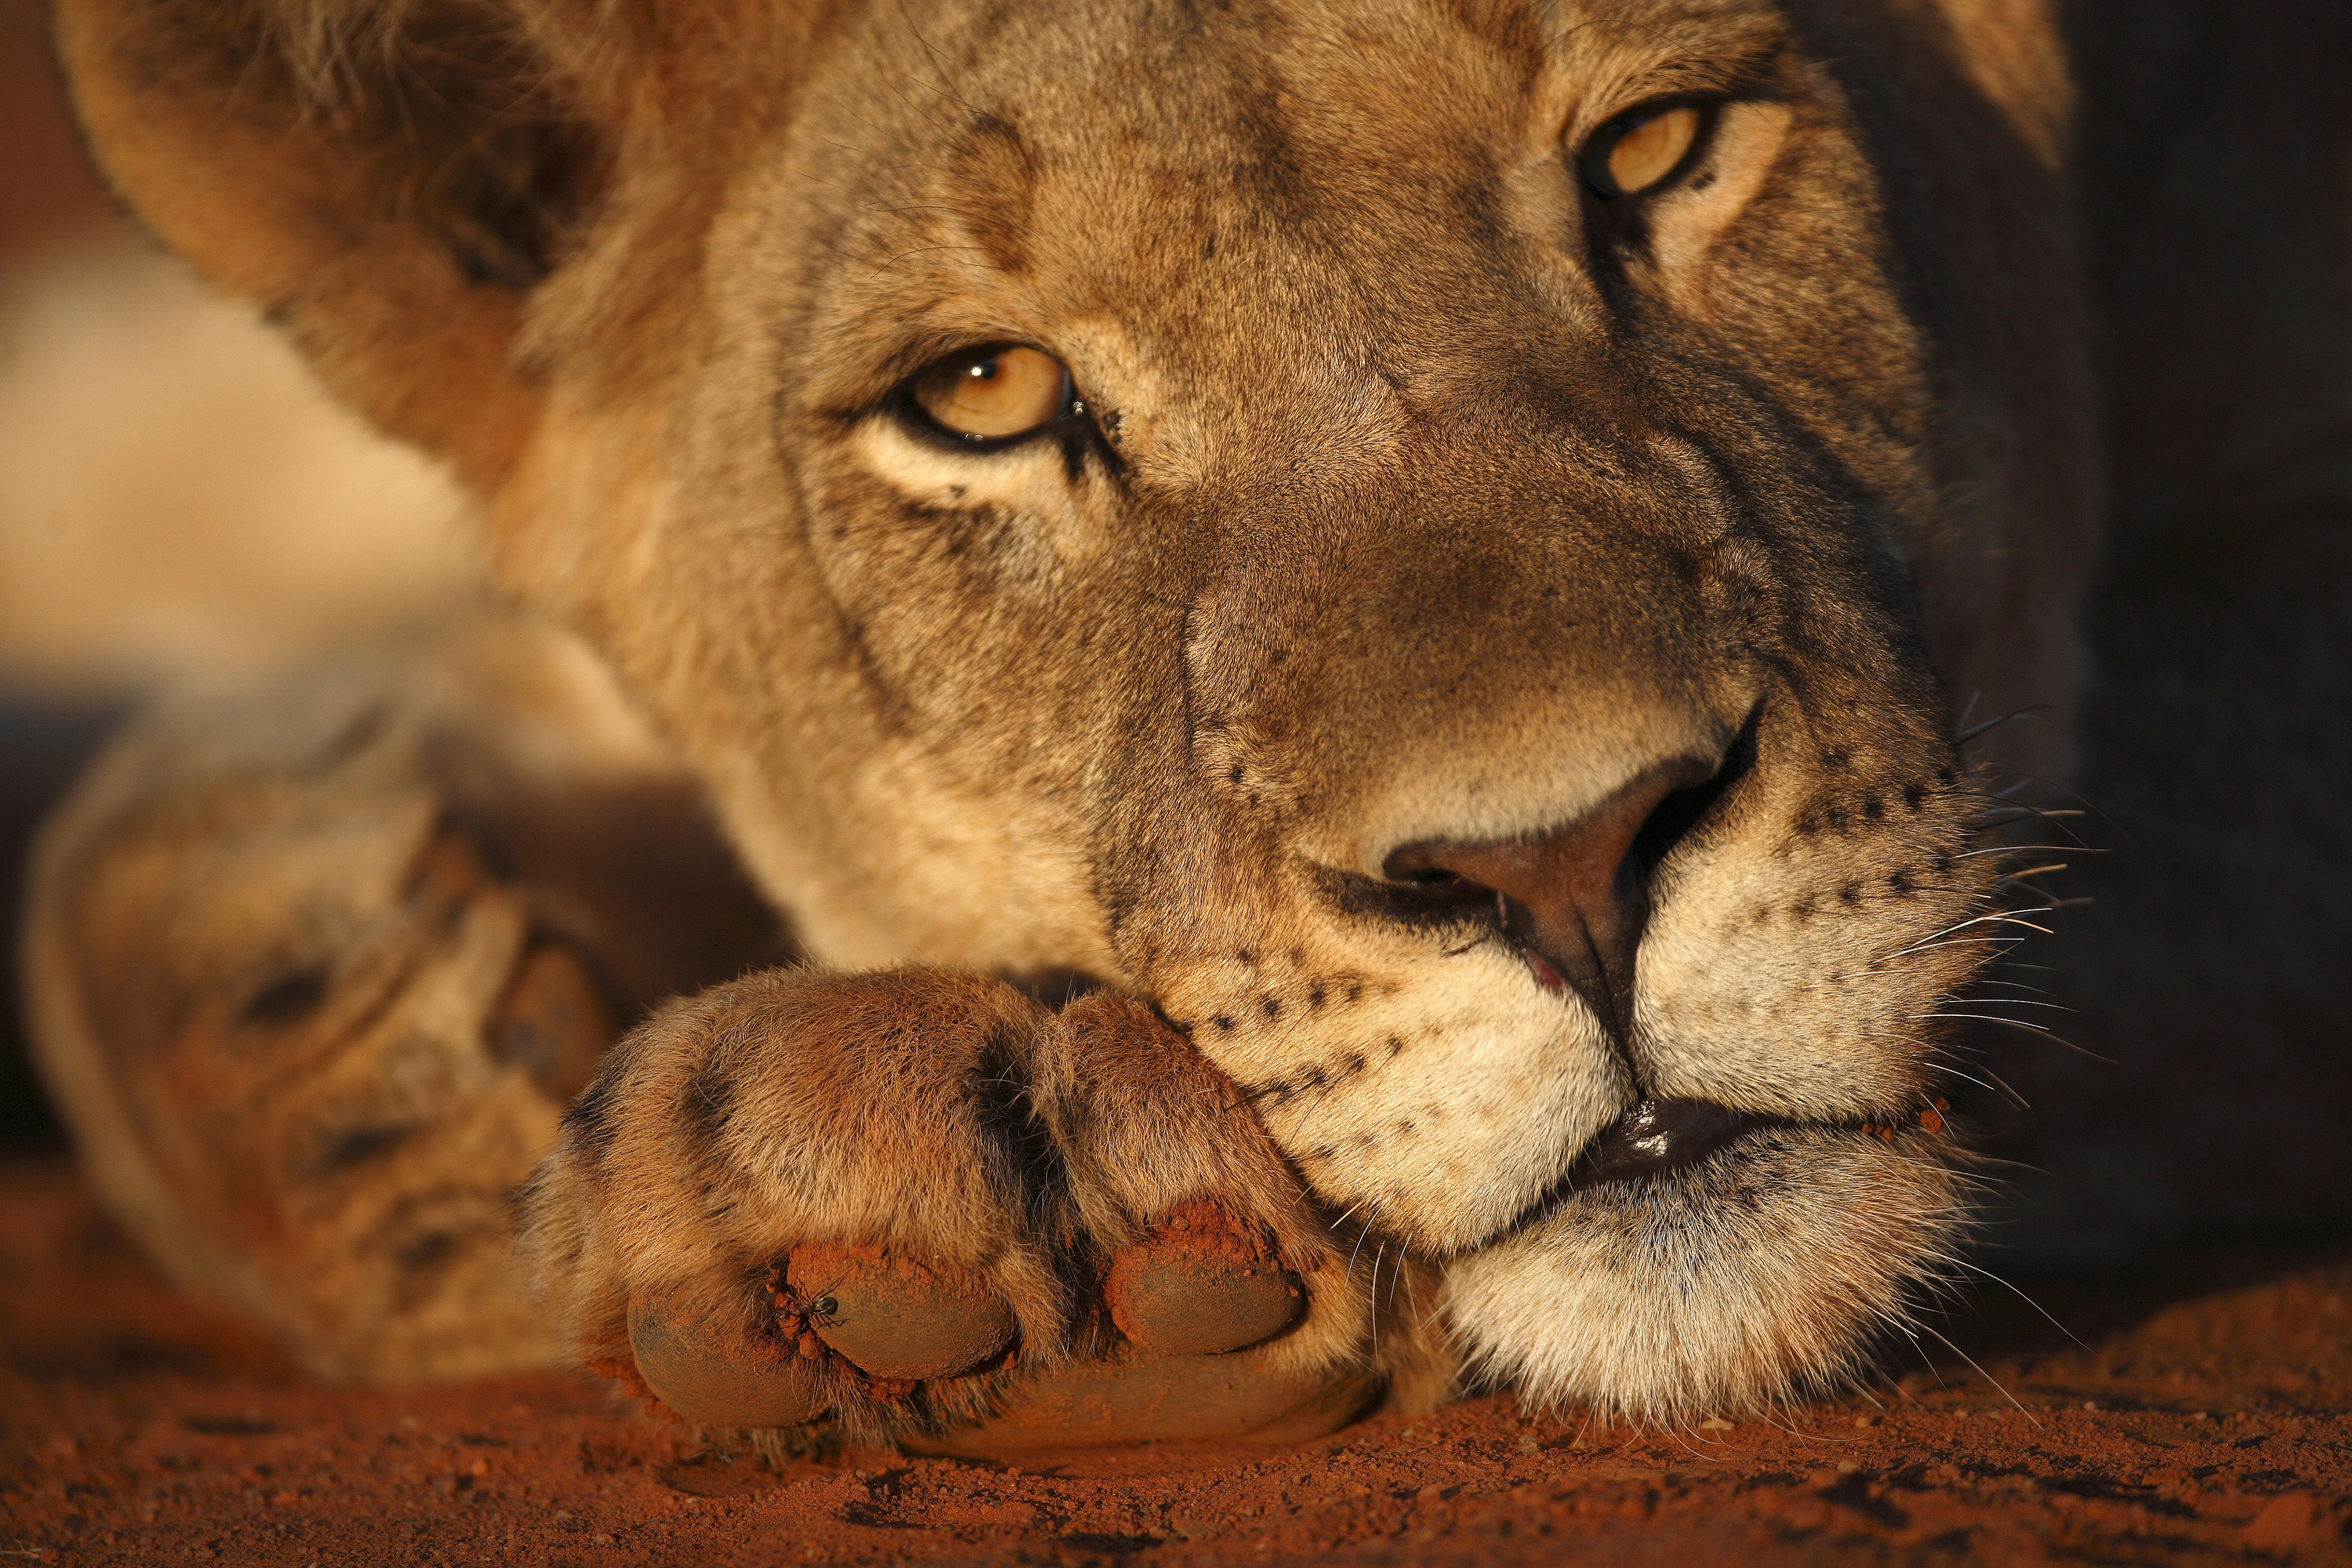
(1683, 810)
(1574, 898)
(1424, 896)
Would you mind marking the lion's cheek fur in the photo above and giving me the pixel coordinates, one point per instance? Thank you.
(676, 544)
(1436, 1097)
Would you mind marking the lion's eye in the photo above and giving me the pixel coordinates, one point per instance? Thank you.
(1636, 151)
(986, 394)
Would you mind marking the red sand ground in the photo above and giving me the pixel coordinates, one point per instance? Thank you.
(135, 1430)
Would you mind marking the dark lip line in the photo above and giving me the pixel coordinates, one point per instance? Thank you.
(1657, 1138)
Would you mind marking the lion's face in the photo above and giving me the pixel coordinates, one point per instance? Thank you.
(1474, 643)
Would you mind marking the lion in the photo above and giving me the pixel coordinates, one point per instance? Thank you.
(1198, 718)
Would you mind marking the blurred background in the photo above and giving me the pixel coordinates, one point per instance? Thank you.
(47, 193)
(177, 501)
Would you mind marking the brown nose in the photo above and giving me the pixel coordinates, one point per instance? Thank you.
(1576, 896)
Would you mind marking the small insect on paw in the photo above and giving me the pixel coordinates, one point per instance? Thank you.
(1202, 1283)
(893, 1318)
(846, 1321)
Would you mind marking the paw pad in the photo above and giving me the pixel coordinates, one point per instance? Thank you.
(892, 1318)
(1199, 1284)
(719, 1379)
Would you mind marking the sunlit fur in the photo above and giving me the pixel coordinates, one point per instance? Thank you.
(1781, 1322)
(1420, 494)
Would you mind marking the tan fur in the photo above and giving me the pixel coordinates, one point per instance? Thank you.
(1423, 499)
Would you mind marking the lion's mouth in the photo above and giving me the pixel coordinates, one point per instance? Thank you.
(1657, 1138)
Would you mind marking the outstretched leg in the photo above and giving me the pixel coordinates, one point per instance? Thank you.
(315, 968)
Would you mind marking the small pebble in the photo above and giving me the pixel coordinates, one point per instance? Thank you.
(1865, 1420)
(1715, 1423)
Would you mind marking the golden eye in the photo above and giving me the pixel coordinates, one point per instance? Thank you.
(989, 394)
(1636, 151)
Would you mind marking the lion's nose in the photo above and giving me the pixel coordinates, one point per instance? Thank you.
(1575, 897)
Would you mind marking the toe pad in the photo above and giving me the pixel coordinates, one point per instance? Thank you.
(1201, 1284)
(717, 1379)
(894, 1318)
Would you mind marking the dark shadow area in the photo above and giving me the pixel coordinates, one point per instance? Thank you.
(2203, 965)
(2028, 1313)
(43, 746)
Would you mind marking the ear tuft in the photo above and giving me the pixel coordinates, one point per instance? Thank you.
(461, 117)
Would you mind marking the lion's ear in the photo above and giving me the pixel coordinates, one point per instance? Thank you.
(390, 179)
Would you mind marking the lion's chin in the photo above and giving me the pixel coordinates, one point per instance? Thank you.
(1757, 1272)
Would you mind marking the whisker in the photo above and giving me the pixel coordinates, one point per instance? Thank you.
(2046, 1033)
(1982, 1372)
(1989, 1274)
(1965, 736)
(2029, 849)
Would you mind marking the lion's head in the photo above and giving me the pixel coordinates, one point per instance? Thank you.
(1442, 545)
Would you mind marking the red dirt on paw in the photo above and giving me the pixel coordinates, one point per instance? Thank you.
(1201, 1282)
(896, 1319)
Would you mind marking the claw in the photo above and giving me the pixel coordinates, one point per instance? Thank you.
(896, 1319)
(717, 1379)
(1200, 1285)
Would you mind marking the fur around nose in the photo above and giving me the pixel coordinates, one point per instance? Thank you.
(1576, 896)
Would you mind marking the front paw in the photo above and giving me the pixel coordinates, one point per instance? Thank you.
(918, 1207)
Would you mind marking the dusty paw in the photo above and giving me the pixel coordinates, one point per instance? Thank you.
(716, 1377)
(317, 965)
(894, 1318)
(916, 1206)
(838, 1166)
(1202, 1283)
